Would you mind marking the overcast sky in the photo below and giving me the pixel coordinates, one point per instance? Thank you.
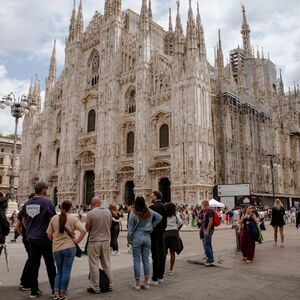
(28, 28)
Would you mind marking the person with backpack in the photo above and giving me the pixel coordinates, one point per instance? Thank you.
(248, 233)
(208, 229)
(157, 239)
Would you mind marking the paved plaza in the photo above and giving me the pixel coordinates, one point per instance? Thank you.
(275, 273)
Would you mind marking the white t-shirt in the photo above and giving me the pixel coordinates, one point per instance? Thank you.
(174, 222)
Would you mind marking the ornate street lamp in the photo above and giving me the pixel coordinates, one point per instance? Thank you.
(18, 107)
(273, 164)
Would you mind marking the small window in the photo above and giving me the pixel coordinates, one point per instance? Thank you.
(58, 123)
(57, 156)
(1, 160)
(130, 142)
(11, 161)
(91, 121)
(0, 179)
(2, 150)
(164, 136)
(39, 160)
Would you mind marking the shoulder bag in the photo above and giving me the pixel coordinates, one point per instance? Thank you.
(78, 249)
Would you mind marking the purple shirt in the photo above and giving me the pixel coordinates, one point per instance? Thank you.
(37, 213)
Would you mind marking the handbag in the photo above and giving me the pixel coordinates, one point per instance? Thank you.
(78, 249)
(180, 243)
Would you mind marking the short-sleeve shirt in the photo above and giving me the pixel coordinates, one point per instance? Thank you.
(62, 241)
(208, 214)
(37, 213)
(100, 220)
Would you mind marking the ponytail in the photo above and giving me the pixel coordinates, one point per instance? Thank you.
(65, 208)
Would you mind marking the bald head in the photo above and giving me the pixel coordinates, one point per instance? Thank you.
(96, 202)
(205, 204)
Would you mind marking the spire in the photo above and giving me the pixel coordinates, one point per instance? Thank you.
(281, 86)
(170, 20)
(150, 10)
(79, 25)
(262, 53)
(257, 54)
(191, 32)
(178, 28)
(30, 92)
(200, 31)
(52, 67)
(220, 56)
(245, 31)
(72, 24)
(116, 7)
(144, 16)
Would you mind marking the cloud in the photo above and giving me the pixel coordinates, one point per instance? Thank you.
(19, 87)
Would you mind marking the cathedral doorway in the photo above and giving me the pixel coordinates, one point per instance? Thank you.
(164, 188)
(89, 187)
(129, 193)
(55, 198)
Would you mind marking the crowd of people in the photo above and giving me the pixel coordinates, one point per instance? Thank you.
(154, 229)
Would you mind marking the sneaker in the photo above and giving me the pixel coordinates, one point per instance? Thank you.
(282, 245)
(92, 291)
(23, 288)
(171, 272)
(275, 244)
(37, 294)
(160, 281)
(154, 283)
(248, 261)
(55, 297)
(136, 287)
(145, 286)
(210, 264)
(110, 289)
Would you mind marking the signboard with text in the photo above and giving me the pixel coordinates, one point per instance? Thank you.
(233, 190)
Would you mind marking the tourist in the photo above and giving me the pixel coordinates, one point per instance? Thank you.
(20, 228)
(201, 229)
(141, 223)
(36, 214)
(4, 224)
(61, 231)
(277, 221)
(98, 223)
(208, 230)
(157, 239)
(247, 241)
(114, 229)
(171, 234)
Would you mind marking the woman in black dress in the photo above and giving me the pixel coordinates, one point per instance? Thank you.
(115, 229)
(278, 221)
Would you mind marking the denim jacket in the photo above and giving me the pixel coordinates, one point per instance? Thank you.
(138, 229)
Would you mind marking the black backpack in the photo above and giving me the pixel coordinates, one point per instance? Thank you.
(104, 282)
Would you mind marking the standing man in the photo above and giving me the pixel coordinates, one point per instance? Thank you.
(36, 214)
(98, 223)
(157, 240)
(208, 230)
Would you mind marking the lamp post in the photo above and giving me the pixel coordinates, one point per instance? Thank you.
(273, 164)
(18, 107)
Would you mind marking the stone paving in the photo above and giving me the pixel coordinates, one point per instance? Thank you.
(274, 274)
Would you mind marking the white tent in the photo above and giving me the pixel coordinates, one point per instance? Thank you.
(215, 203)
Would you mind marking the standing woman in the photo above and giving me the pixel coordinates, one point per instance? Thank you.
(277, 220)
(171, 234)
(114, 229)
(60, 230)
(141, 222)
(247, 241)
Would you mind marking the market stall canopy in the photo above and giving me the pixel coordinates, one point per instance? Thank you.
(215, 203)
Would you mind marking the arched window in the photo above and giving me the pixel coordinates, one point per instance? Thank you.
(130, 101)
(130, 142)
(91, 121)
(58, 123)
(57, 156)
(39, 160)
(164, 136)
(94, 65)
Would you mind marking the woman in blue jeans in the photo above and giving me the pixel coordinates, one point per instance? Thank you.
(61, 231)
(141, 222)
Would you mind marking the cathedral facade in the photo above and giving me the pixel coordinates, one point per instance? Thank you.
(138, 108)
